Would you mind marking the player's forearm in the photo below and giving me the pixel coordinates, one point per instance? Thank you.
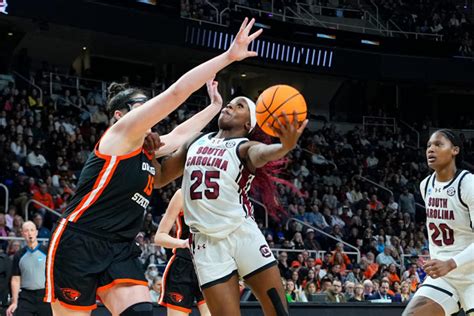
(189, 128)
(465, 256)
(261, 154)
(165, 240)
(197, 77)
(15, 286)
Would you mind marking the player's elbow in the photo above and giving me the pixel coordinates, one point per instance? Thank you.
(158, 239)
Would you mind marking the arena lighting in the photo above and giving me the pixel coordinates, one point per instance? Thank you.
(320, 35)
(367, 42)
(282, 52)
(84, 48)
(243, 75)
(10, 34)
(263, 26)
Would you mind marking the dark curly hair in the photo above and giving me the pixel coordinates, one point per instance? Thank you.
(118, 96)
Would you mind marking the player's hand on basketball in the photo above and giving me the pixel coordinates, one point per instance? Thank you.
(152, 142)
(213, 92)
(238, 50)
(437, 268)
(11, 309)
(288, 132)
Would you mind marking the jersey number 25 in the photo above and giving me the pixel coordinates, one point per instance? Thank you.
(212, 187)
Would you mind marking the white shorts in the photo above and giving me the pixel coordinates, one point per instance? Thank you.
(450, 296)
(244, 251)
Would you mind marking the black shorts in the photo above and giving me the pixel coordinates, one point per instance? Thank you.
(81, 265)
(180, 285)
(31, 303)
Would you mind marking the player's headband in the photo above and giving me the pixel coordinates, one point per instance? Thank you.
(252, 109)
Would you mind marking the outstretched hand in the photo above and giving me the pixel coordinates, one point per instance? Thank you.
(238, 50)
(213, 92)
(289, 132)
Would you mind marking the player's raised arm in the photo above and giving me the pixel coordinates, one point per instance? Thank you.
(129, 132)
(162, 236)
(259, 154)
(193, 125)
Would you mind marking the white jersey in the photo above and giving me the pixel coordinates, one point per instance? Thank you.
(215, 186)
(450, 219)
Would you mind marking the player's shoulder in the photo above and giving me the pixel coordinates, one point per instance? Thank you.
(466, 180)
(424, 182)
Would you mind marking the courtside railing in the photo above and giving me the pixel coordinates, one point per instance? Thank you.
(40, 204)
(326, 234)
(4, 187)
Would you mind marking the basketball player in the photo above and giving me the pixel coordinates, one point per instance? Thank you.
(449, 201)
(226, 241)
(180, 285)
(92, 251)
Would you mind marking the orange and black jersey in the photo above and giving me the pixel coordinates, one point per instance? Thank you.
(112, 195)
(182, 232)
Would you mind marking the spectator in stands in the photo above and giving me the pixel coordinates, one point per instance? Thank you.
(407, 203)
(43, 197)
(326, 284)
(310, 242)
(356, 275)
(310, 291)
(4, 232)
(151, 273)
(149, 226)
(36, 161)
(43, 232)
(405, 295)
(358, 294)
(10, 216)
(155, 289)
(382, 293)
(334, 295)
(349, 288)
(292, 294)
(386, 258)
(375, 204)
(283, 264)
(372, 161)
(368, 288)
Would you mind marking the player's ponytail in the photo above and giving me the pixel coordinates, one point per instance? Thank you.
(118, 95)
(264, 186)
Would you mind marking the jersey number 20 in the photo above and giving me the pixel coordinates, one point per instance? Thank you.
(447, 234)
(212, 188)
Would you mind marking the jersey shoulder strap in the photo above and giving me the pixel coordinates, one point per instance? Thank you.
(464, 173)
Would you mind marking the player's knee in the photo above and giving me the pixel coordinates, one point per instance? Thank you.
(139, 309)
(277, 302)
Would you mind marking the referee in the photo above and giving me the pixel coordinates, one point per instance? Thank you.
(28, 274)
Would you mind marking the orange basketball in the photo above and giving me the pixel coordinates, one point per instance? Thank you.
(275, 100)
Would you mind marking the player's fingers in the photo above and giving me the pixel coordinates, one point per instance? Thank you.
(275, 130)
(244, 24)
(295, 121)
(277, 120)
(286, 118)
(249, 26)
(252, 54)
(303, 126)
(254, 35)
